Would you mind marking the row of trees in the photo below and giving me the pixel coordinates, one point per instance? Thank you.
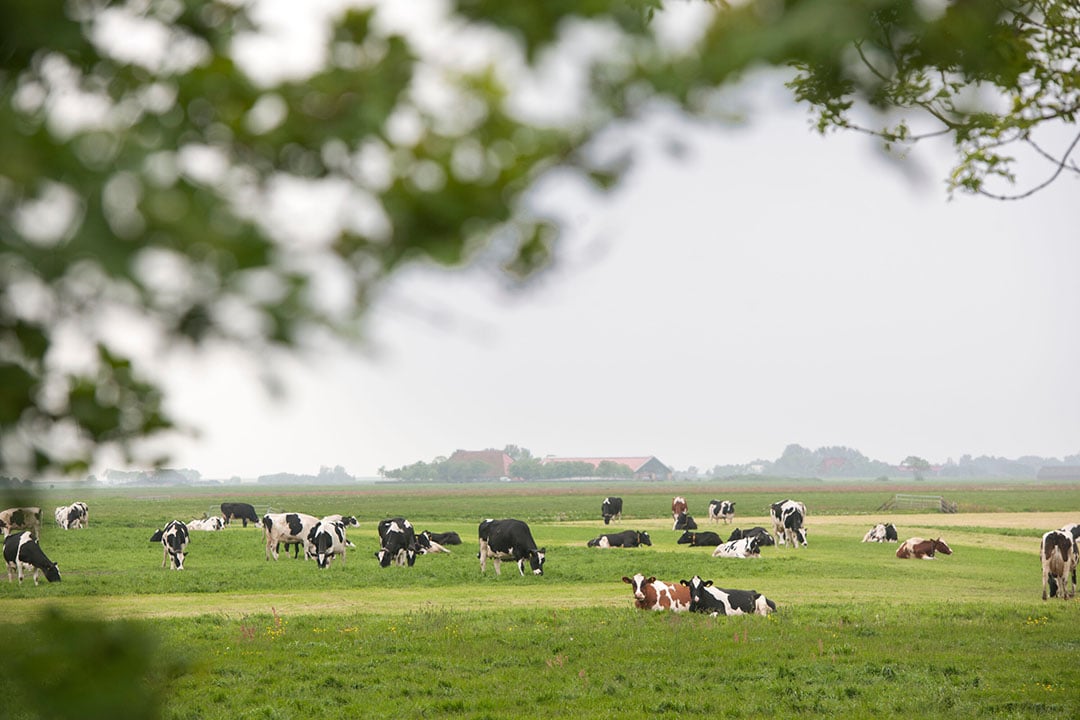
(524, 467)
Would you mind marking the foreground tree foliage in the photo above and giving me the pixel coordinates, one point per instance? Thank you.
(152, 174)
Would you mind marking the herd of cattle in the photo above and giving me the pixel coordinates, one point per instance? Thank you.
(324, 539)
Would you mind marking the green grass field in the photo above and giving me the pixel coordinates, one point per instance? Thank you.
(858, 633)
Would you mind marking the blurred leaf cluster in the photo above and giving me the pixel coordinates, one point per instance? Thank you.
(148, 178)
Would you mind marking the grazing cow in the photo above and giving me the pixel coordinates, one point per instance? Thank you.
(445, 538)
(653, 594)
(327, 540)
(21, 518)
(763, 536)
(678, 506)
(921, 549)
(705, 598)
(611, 509)
(745, 548)
(22, 551)
(75, 515)
(700, 539)
(882, 532)
(684, 522)
(509, 539)
(287, 528)
(787, 517)
(1072, 529)
(1058, 564)
(238, 511)
(174, 539)
(210, 524)
(627, 538)
(426, 544)
(398, 542)
(721, 510)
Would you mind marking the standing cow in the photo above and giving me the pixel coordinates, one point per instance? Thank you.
(238, 511)
(75, 515)
(722, 510)
(22, 551)
(327, 540)
(678, 507)
(611, 509)
(174, 539)
(287, 528)
(509, 539)
(398, 542)
(787, 517)
(1058, 564)
(21, 518)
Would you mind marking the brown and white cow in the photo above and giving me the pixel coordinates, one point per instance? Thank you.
(921, 549)
(1059, 558)
(21, 518)
(653, 594)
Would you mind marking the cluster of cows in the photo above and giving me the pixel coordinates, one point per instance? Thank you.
(21, 527)
(1059, 560)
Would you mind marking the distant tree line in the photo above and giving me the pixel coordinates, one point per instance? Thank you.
(524, 467)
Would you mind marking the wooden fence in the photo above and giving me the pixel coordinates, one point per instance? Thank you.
(903, 501)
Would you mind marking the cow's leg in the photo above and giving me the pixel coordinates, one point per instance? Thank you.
(497, 563)
(521, 566)
(165, 556)
(483, 556)
(271, 548)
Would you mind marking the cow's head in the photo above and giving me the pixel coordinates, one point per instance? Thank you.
(177, 557)
(536, 561)
(697, 590)
(800, 536)
(687, 538)
(52, 572)
(644, 539)
(941, 547)
(638, 583)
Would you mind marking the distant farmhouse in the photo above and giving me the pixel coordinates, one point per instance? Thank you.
(483, 464)
(644, 468)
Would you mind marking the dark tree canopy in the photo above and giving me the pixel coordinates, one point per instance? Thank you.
(152, 189)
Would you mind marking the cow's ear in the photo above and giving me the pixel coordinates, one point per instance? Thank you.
(707, 583)
(685, 582)
(627, 580)
(651, 579)
(542, 550)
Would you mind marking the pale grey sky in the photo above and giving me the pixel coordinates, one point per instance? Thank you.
(768, 287)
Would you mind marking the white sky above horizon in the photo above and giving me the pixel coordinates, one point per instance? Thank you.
(768, 286)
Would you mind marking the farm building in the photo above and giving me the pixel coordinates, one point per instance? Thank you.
(644, 468)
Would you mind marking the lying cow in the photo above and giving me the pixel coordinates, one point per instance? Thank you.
(763, 536)
(611, 509)
(653, 594)
(21, 518)
(398, 542)
(684, 522)
(287, 528)
(75, 515)
(721, 510)
(174, 539)
(705, 598)
(426, 544)
(327, 541)
(210, 524)
(444, 538)
(882, 532)
(1059, 559)
(700, 539)
(921, 549)
(22, 551)
(509, 539)
(626, 538)
(238, 511)
(745, 548)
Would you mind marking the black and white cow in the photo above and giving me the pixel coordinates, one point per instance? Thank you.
(626, 538)
(398, 542)
(747, 547)
(287, 528)
(238, 511)
(22, 551)
(425, 545)
(21, 518)
(611, 509)
(705, 598)
(882, 532)
(788, 517)
(327, 540)
(75, 515)
(1059, 559)
(174, 539)
(763, 536)
(509, 539)
(721, 510)
(443, 538)
(700, 539)
(684, 522)
(210, 524)
(1072, 529)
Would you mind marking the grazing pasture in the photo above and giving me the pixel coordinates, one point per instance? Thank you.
(857, 632)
